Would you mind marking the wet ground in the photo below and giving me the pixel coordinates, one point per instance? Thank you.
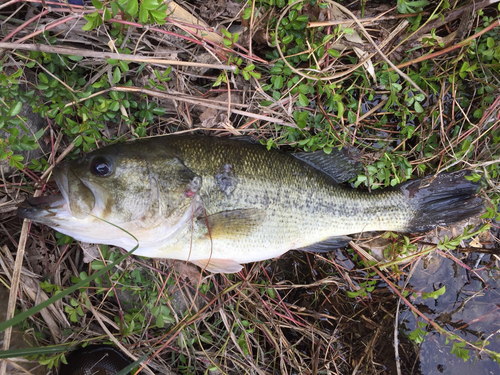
(364, 325)
(470, 308)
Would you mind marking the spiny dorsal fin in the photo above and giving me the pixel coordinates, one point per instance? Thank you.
(327, 245)
(338, 165)
(233, 224)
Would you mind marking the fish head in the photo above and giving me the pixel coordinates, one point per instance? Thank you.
(117, 191)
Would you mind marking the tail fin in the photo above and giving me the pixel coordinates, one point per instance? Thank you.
(442, 200)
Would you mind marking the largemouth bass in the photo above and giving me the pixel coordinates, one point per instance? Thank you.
(220, 203)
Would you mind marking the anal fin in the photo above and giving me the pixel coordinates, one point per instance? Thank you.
(327, 245)
(218, 265)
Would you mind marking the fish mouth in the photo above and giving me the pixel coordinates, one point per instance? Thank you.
(41, 208)
(50, 208)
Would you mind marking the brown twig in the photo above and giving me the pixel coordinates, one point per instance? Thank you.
(363, 21)
(109, 55)
(24, 25)
(452, 15)
(452, 48)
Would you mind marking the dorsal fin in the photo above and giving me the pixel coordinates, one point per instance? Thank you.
(338, 165)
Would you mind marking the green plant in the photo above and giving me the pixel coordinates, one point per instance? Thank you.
(147, 12)
(247, 71)
(74, 310)
(405, 6)
(161, 78)
(12, 99)
(365, 287)
(391, 170)
(52, 361)
(418, 335)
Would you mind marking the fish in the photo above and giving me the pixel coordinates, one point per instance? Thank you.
(220, 202)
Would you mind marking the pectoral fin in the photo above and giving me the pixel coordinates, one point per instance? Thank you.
(218, 265)
(233, 224)
(327, 245)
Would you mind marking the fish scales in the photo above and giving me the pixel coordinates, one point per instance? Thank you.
(297, 193)
(222, 202)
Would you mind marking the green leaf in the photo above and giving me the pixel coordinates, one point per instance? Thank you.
(34, 351)
(419, 97)
(107, 14)
(333, 53)
(114, 106)
(150, 4)
(117, 75)
(159, 111)
(39, 134)
(287, 39)
(132, 7)
(304, 89)
(340, 109)
(255, 74)
(143, 14)
(278, 82)
(115, 8)
(247, 13)
(75, 58)
(275, 70)
(94, 21)
(303, 100)
(302, 116)
(123, 66)
(15, 109)
(417, 4)
(15, 161)
(459, 352)
(271, 293)
(355, 294)
(396, 86)
(158, 16)
(43, 78)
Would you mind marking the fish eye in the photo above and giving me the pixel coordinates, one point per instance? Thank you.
(101, 167)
